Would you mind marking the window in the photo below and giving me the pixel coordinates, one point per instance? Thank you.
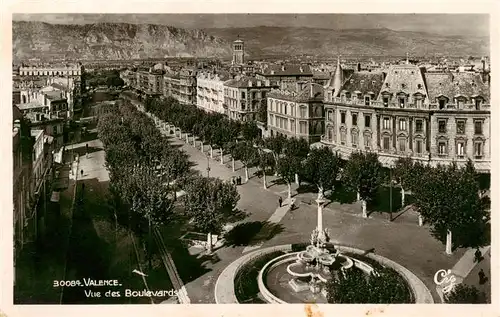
(330, 116)
(303, 127)
(330, 134)
(263, 93)
(55, 129)
(387, 124)
(367, 121)
(402, 145)
(243, 95)
(254, 95)
(419, 147)
(368, 141)
(342, 137)
(271, 119)
(478, 150)
(402, 102)
(402, 124)
(419, 126)
(386, 143)
(460, 149)
(303, 112)
(442, 148)
(354, 137)
(460, 127)
(419, 86)
(477, 102)
(478, 127)
(292, 125)
(418, 103)
(354, 119)
(442, 103)
(442, 126)
(460, 103)
(386, 101)
(286, 106)
(342, 117)
(367, 100)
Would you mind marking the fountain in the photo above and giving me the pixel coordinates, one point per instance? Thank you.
(316, 263)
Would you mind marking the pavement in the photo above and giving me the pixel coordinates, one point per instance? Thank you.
(401, 240)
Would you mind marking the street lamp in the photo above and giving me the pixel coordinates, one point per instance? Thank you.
(390, 193)
(208, 166)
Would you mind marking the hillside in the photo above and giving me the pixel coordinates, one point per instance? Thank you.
(121, 41)
(367, 42)
(111, 41)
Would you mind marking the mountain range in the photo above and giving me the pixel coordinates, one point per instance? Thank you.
(121, 41)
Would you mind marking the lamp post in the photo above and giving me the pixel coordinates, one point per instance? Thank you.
(208, 166)
(390, 193)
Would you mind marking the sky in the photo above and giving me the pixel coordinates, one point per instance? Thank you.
(445, 24)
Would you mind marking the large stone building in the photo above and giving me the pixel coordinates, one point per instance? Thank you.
(187, 86)
(245, 98)
(210, 91)
(51, 70)
(297, 112)
(405, 112)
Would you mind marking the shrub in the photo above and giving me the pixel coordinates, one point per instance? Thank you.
(245, 282)
(464, 294)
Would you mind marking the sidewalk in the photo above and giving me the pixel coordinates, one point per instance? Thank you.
(39, 265)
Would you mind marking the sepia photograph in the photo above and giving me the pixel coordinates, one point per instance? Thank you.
(251, 158)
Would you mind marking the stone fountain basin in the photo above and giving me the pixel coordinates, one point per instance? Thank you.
(301, 270)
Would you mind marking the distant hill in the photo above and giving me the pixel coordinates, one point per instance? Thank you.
(111, 41)
(120, 41)
(368, 42)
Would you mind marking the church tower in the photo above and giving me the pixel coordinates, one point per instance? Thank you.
(238, 52)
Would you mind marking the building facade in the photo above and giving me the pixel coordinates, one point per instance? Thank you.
(210, 91)
(405, 112)
(297, 113)
(245, 98)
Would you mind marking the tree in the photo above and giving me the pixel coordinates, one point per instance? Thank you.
(403, 173)
(297, 148)
(247, 154)
(363, 174)
(322, 168)
(464, 294)
(209, 202)
(287, 168)
(265, 160)
(250, 131)
(150, 200)
(447, 197)
(276, 145)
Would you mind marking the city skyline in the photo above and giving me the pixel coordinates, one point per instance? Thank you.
(444, 24)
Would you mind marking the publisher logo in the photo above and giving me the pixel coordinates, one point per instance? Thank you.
(445, 279)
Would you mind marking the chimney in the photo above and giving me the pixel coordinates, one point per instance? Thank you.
(283, 68)
(301, 69)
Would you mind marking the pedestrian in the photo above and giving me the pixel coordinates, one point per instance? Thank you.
(292, 204)
(238, 180)
(87, 150)
(477, 256)
(81, 172)
(481, 277)
(280, 201)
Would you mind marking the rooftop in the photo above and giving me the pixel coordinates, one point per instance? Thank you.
(245, 81)
(287, 70)
(364, 82)
(452, 85)
(29, 105)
